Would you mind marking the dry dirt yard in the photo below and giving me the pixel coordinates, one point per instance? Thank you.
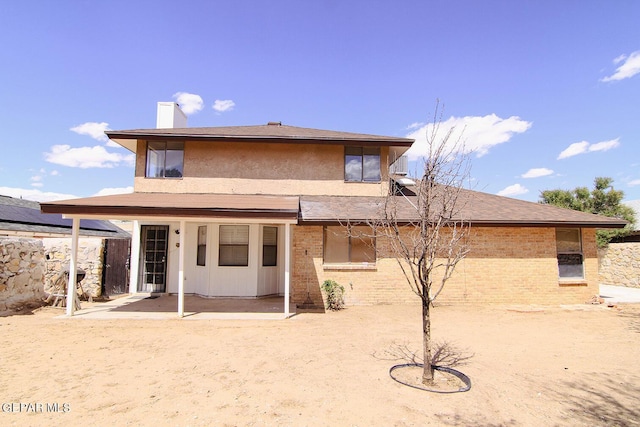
(542, 366)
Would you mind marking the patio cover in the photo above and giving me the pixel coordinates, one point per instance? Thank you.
(171, 205)
(135, 205)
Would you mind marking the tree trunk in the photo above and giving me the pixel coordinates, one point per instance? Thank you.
(427, 373)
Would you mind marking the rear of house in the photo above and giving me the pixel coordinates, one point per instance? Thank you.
(251, 211)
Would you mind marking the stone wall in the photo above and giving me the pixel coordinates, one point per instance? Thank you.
(22, 272)
(90, 251)
(620, 264)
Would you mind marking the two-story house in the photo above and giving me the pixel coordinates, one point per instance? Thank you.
(251, 211)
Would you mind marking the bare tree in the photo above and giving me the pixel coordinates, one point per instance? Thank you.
(427, 231)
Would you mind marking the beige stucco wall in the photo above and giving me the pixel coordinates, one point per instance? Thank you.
(235, 168)
(506, 265)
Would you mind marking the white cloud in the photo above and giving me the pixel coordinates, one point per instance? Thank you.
(513, 190)
(634, 183)
(222, 105)
(415, 125)
(630, 66)
(55, 173)
(87, 157)
(189, 102)
(34, 194)
(479, 133)
(605, 145)
(36, 181)
(93, 129)
(574, 149)
(585, 147)
(537, 173)
(114, 190)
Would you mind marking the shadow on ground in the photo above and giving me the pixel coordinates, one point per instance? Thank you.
(613, 403)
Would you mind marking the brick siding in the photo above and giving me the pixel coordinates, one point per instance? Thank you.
(505, 265)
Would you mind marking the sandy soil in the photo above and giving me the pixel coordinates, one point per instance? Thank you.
(531, 367)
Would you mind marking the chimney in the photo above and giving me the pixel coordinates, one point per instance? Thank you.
(170, 116)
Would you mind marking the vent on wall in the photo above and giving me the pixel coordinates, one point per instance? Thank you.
(400, 166)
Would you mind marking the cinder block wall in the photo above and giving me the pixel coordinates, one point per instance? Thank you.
(506, 265)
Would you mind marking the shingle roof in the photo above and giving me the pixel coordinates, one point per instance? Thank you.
(260, 133)
(479, 208)
(19, 216)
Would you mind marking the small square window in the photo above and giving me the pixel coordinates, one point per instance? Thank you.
(362, 164)
(352, 245)
(165, 159)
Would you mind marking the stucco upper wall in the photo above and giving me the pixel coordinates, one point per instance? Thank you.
(261, 168)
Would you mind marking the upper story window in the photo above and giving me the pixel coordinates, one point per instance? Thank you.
(362, 164)
(569, 249)
(165, 159)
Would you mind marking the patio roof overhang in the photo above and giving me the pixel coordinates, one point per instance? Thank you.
(181, 207)
(135, 205)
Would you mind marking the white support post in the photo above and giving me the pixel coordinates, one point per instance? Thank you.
(73, 267)
(134, 262)
(287, 267)
(183, 232)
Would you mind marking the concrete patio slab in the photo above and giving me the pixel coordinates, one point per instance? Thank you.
(619, 294)
(146, 306)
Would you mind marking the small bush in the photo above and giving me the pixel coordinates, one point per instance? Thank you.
(335, 294)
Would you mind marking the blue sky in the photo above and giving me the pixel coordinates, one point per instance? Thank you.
(547, 91)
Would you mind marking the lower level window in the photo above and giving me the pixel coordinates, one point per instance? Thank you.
(569, 249)
(201, 258)
(269, 246)
(354, 244)
(234, 245)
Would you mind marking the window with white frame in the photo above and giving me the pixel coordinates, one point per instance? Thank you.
(201, 258)
(165, 159)
(569, 250)
(234, 246)
(269, 246)
(362, 164)
(349, 245)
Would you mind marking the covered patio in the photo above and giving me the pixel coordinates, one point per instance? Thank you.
(178, 214)
(148, 306)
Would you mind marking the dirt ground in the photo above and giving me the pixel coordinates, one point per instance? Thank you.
(542, 366)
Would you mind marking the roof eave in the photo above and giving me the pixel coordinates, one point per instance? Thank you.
(122, 137)
(143, 211)
(478, 223)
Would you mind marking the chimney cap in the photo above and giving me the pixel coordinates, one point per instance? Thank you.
(274, 124)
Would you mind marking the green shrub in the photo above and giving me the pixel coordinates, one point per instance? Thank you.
(334, 293)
